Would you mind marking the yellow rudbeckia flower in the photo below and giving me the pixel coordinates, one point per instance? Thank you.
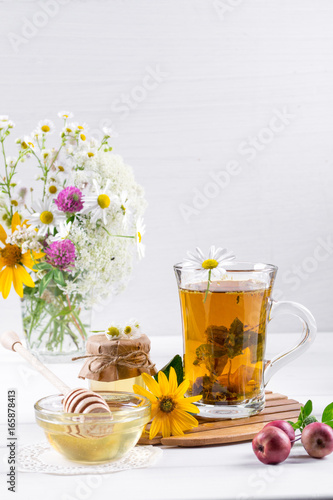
(13, 263)
(170, 411)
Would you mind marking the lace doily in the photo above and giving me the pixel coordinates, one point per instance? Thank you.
(42, 458)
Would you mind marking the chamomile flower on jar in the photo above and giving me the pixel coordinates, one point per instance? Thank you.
(114, 332)
(100, 203)
(140, 231)
(132, 329)
(45, 126)
(45, 217)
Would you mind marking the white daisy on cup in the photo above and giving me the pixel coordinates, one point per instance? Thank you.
(46, 217)
(45, 126)
(100, 203)
(140, 231)
(208, 267)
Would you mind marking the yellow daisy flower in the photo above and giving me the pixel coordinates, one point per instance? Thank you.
(170, 410)
(13, 263)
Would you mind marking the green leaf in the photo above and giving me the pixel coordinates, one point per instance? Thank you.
(327, 414)
(177, 364)
(307, 410)
(330, 423)
(45, 281)
(295, 425)
(42, 266)
(58, 277)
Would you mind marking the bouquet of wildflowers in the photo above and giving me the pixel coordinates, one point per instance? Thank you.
(73, 244)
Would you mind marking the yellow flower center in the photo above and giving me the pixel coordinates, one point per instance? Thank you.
(166, 405)
(45, 128)
(11, 255)
(113, 331)
(83, 137)
(61, 169)
(46, 217)
(53, 189)
(123, 208)
(24, 145)
(14, 202)
(80, 127)
(90, 154)
(103, 200)
(127, 330)
(139, 237)
(210, 264)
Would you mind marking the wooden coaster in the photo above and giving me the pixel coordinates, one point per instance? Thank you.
(277, 407)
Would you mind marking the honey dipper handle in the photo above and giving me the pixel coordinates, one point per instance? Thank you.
(10, 340)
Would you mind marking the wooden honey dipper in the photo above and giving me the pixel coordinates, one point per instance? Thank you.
(75, 400)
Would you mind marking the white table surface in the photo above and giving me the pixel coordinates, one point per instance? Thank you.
(215, 472)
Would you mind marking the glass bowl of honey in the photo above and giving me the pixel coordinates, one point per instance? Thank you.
(94, 438)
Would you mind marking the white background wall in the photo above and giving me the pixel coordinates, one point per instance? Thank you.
(226, 69)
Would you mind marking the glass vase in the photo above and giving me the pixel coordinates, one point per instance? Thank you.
(55, 324)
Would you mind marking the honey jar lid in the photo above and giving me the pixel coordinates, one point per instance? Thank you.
(117, 359)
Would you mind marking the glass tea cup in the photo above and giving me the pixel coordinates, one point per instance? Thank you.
(225, 333)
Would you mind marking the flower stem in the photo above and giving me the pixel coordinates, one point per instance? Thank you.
(208, 284)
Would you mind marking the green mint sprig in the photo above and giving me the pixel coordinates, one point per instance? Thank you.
(305, 418)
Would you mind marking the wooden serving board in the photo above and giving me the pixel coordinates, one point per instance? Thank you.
(210, 432)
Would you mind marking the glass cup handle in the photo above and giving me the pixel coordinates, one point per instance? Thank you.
(308, 335)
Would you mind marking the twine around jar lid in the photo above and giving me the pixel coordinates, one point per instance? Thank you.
(109, 360)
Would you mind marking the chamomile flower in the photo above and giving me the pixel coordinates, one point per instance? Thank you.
(25, 143)
(132, 329)
(107, 131)
(11, 161)
(63, 229)
(140, 231)
(45, 126)
(46, 217)
(114, 332)
(125, 207)
(5, 122)
(100, 203)
(66, 115)
(53, 186)
(209, 267)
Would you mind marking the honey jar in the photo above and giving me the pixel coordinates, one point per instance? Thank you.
(116, 364)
